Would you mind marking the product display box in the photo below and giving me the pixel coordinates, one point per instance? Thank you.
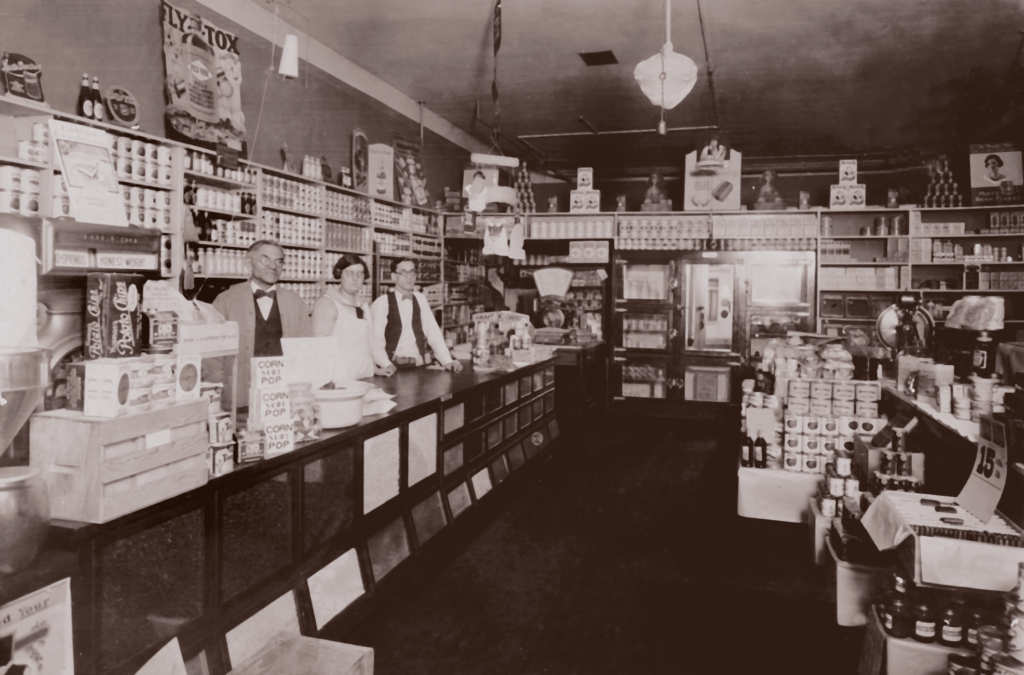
(942, 561)
(113, 315)
(97, 469)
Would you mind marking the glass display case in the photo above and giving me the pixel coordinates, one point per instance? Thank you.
(646, 281)
(646, 330)
(644, 377)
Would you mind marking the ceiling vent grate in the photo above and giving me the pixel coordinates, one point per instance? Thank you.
(605, 58)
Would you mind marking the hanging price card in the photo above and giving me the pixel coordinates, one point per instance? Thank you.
(988, 474)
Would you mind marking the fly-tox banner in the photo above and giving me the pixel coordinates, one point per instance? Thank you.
(204, 78)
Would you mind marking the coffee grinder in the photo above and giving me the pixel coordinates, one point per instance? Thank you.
(905, 327)
(556, 315)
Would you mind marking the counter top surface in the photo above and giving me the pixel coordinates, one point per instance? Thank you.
(963, 428)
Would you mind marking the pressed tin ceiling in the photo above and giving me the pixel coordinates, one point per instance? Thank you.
(792, 78)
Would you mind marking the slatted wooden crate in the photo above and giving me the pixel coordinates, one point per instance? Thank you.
(100, 469)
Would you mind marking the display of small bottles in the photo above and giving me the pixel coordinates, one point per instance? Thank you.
(216, 199)
(312, 167)
(389, 243)
(303, 265)
(292, 230)
(139, 160)
(284, 193)
(572, 228)
(338, 236)
(309, 293)
(220, 262)
(222, 231)
(427, 247)
(948, 251)
(344, 206)
(37, 147)
(387, 215)
(200, 162)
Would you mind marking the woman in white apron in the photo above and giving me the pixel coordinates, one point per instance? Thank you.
(341, 315)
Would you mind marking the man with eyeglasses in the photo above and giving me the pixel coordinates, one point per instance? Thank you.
(264, 313)
(404, 326)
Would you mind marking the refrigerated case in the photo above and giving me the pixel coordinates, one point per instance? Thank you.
(685, 320)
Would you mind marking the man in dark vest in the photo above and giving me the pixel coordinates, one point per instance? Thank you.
(264, 312)
(404, 328)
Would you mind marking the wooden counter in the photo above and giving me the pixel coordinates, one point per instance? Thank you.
(322, 534)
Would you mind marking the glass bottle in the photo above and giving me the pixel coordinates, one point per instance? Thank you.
(84, 107)
(747, 452)
(951, 625)
(924, 623)
(760, 451)
(896, 618)
(97, 100)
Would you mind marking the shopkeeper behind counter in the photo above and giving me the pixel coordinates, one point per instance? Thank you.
(340, 315)
(404, 326)
(264, 313)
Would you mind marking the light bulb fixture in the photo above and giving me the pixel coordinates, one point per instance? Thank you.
(662, 127)
(290, 57)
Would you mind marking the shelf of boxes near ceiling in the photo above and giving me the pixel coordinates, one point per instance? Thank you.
(315, 221)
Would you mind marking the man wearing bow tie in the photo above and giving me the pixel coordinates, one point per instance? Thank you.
(404, 327)
(264, 313)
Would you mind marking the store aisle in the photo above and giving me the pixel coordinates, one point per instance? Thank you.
(624, 556)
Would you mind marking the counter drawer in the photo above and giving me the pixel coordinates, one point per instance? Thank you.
(100, 469)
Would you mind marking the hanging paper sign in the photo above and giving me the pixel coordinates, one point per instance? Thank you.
(382, 166)
(124, 108)
(85, 162)
(22, 76)
(204, 78)
(988, 478)
(17, 290)
(713, 189)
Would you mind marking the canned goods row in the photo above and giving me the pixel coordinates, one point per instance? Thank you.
(233, 232)
(140, 196)
(846, 425)
(34, 152)
(293, 230)
(838, 390)
(19, 190)
(547, 228)
(813, 444)
(344, 206)
(297, 196)
(826, 408)
(1006, 222)
(348, 237)
(134, 149)
(153, 218)
(800, 462)
(133, 168)
(835, 485)
(389, 243)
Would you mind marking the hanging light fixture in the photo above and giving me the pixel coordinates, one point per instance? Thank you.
(667, 77)
(290, 57)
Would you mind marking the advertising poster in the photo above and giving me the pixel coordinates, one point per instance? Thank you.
(35, 633)
(91, 178)
(203, 78)
(996, 174)
(381, 174)
(716, 188)
(412, 184)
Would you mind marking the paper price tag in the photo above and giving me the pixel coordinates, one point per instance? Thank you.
(988, 477)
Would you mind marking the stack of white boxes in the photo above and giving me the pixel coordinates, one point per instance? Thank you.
(848, 194)
(823, 417)
(584, 199)
(270, 405)
(859, 278)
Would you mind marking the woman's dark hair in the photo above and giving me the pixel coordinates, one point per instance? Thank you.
(346, 261)
(999, 160)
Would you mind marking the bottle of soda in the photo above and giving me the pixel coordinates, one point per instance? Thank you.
(747, 452)
(97, 100)
(760, 451)
(84, 108)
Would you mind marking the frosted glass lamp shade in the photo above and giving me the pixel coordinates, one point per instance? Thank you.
(290, 57)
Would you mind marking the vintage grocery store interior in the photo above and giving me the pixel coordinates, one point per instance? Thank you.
(740, 322)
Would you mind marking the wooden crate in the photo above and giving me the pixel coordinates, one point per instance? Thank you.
(100, 469)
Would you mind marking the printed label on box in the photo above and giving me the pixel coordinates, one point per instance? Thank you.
(267, 372)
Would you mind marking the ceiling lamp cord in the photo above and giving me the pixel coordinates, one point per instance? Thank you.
(711, 67)
(662, 127)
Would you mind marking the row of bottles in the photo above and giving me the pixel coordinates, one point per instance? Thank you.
(428, 247)
(343, 206)
(203, 197)
(303, 265)
(90, 101)
(343, 237)
(284, 193)
(200, 162)
(219, 230)
(755, 452)
(298, 266)
(292, 230)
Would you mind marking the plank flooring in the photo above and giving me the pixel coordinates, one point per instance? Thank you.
(624, 555)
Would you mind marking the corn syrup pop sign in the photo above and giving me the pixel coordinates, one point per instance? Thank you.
(204, 78)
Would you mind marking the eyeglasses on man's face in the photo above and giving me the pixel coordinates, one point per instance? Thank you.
(267, 261)
(406, 272)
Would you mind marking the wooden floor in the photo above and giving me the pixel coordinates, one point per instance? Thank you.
(623, 556)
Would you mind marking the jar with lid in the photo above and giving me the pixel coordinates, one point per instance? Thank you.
(974, 618)
(881, 226)
(972, 277)
(924, 623)
(897, 617)
(951, 625)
